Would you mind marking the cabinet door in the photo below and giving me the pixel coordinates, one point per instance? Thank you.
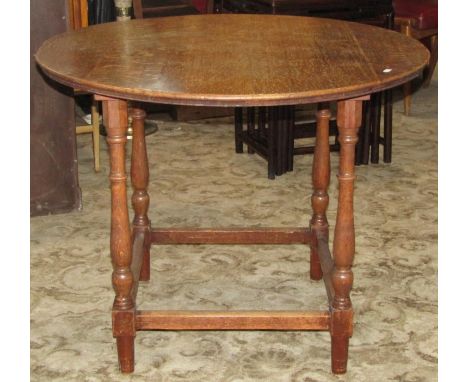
(53, 168)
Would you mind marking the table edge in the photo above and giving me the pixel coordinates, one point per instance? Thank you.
(215, 100)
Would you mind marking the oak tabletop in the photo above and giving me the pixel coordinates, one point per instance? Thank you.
(232, 60)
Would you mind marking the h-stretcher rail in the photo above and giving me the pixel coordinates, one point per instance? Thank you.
(228, 320)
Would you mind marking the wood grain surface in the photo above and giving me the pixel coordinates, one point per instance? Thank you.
(232, 320)
(232, 60)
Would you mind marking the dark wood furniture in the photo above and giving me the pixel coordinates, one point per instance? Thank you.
(203, 6)
(271, 132)
(351, 62)
(418, 19)
(54, 172)
(101, 11)
(162, 8)
(339, 9)
(374, 12)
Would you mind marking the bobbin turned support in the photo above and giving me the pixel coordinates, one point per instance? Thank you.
(140, 178)
(123, 312)
(320, 182)
(129, 252)
(341, 321)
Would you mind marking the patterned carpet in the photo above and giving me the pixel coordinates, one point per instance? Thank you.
(198, 180)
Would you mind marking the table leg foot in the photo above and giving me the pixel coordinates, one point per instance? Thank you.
(339, 354)
(126, 353)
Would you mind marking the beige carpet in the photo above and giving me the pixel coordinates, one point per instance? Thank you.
(198, 180)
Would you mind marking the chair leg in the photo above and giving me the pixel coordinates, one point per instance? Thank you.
(95, 124)
(407, 98)
(366, 131)
(280, 165)
(272, 116)
(238, 130)
(291, 123)
(406, 30)
(433, 45)
(388, 123)
(376, 105)
(250, 126)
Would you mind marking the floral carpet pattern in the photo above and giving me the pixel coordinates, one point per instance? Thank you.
(198, 180)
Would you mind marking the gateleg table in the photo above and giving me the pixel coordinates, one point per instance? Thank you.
(232, 61)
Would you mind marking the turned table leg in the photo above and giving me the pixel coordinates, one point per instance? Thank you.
(406, 30)
(123, 313)
(320, 182)
(140, 177)
(341, 323)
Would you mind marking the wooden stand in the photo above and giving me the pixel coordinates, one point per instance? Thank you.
(272, 137)
(130, 249)
(303, 75)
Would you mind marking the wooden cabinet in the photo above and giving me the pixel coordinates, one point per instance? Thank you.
(53, 169)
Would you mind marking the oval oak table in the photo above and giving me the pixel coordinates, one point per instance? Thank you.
(232, 60)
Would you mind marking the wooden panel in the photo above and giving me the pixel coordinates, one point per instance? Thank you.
(54, 175)
(234, 320)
